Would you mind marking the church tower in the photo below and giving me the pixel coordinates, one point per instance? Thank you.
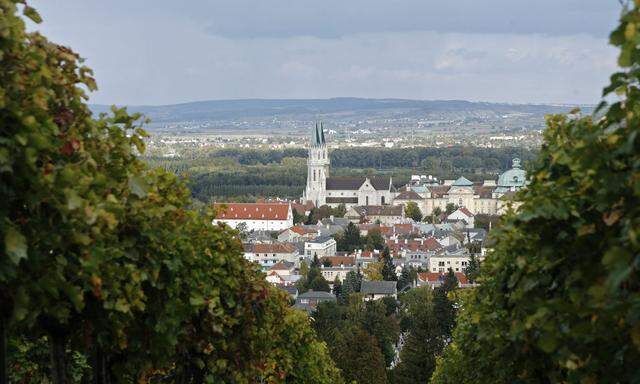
(317, 168)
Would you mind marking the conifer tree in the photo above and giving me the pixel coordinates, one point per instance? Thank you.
(388, 270)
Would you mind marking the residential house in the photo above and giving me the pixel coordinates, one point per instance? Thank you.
(374, 290)
(309, 300)
(268, 254)
(255, 216)
(321, 247)
(463, 214)
(384, 214)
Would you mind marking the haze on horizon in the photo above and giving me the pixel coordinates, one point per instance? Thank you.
(163, 52)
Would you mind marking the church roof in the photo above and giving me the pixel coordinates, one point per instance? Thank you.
(353, 183)
(514, 177)
(317, 135)
(462, 182)
(408, 195)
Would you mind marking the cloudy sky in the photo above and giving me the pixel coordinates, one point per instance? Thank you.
(167, 51)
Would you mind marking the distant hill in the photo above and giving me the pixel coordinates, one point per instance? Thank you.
(335, 109)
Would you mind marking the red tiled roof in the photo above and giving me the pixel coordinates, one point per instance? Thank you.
(433, 277)
(428, 244)
(337, 261)
(271, 248)
(252, 211)
(465, 211)
(279, 266)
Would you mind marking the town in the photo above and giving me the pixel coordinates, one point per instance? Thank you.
(349, 227)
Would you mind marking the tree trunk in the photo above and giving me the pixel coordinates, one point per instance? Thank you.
(99, 367)
(58, 358)
(3, 350)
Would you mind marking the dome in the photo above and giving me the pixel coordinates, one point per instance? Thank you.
(514, 177)
(462, 182)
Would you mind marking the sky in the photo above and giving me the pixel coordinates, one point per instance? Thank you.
(146, 52)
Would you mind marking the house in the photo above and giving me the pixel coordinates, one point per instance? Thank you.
(298, 233)
(255, 216)
(435, 280)
(409, 195)
(283, 268)
(321, 247)
(440, 263)
(268, 254)
(309, 300)
(333, 267)
(385, 214)
(291, 290)
(374, 290)
(463, 214)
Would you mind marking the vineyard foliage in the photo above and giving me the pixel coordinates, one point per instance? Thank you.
(559, 299)
(101, 261)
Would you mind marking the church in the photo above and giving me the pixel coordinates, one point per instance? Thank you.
(487, 197)
(351, 191)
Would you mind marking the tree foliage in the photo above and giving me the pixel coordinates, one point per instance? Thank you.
(101, 257)
(412, 211)
(559, 295)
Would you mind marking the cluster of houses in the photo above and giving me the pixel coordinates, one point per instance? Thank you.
(430, 248)
(373, 204)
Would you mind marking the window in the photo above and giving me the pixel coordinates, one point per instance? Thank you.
(457, 269)
(440, 269)
(440, 263)
(382, 200)
(367, 200)
(314, 175)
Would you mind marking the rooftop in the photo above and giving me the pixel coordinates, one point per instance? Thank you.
(378, 287)
(252, 211)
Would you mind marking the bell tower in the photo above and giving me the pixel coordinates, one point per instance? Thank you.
(317, 167)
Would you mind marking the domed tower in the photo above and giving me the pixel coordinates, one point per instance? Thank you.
(317, 168)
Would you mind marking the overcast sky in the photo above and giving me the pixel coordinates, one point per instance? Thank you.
(167, 51)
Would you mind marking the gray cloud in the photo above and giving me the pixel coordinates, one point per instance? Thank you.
(144, 54)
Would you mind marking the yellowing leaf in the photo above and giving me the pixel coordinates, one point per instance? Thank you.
(138, 186)
(15, 245)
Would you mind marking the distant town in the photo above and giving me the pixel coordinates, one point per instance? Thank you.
(348, 227)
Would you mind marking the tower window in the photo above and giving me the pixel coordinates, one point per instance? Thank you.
(314, 175)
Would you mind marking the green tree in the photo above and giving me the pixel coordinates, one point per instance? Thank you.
(405, 279)
(412, 211)
(337, 287)
(375, 319)
(327, 320)
(349, 240)
(357, 354)
(472, 271)
(374, 240)
(424, 341)
(451, 207)
(298, 218)
(388, 270)
(102, 256)
(558, 300)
